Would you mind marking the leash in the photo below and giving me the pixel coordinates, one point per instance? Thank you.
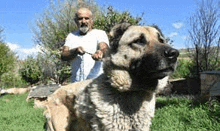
(91, 54)
(88, 53)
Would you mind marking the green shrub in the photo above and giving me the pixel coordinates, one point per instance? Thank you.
(30, 70)
(12, 79)
(183, 69)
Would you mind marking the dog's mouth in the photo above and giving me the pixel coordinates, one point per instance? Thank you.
(168, 69)
(159, 74)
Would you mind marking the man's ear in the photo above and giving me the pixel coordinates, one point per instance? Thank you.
(118, 30)
(92, 22)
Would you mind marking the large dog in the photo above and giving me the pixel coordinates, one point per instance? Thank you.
(123, 97)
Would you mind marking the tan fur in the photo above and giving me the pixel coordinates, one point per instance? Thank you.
(123, 98)
(15, 90)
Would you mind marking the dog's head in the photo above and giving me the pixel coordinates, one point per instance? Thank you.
(142, 51)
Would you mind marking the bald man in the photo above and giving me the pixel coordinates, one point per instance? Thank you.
(85, 47)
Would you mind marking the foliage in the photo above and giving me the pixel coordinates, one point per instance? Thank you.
(12, 79)
(1, 34)
(53, 26)
(58, 21)
(183, 69)
(53, 69)
(183, 114)
(204, 36)
(30, 70)
(19, 115)
(7, 59)
(7, 64)
(107, 21)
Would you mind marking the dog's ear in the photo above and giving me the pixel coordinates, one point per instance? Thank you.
(156, 27)
(115, 35)
(118, 30)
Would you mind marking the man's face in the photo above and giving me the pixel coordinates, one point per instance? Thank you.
(84, 21)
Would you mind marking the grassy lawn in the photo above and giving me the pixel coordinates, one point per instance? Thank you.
(173, 114)
(185, 115)
(18, 115)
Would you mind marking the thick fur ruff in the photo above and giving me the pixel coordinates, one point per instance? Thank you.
(123, 98)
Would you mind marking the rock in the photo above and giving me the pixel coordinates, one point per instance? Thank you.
(42, 91)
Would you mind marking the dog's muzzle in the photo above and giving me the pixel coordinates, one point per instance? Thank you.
(171, 54)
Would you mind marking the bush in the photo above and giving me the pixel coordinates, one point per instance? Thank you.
(53, 68)
(183, 69)
(30, 70)
(12, 79)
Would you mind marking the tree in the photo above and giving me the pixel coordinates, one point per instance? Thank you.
(57, 21)
(7, 57)
(1, 32)
(105, 21)
(204, 36)
(9, 77)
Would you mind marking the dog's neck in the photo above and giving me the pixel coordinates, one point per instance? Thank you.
(122, 80)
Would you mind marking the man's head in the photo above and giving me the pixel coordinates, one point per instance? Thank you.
(84, 20)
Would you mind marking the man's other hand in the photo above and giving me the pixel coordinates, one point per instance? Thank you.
(97, 55)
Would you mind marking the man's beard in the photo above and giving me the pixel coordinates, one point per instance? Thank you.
(84, 29)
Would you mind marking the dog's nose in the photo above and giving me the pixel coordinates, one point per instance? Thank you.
(171, 53)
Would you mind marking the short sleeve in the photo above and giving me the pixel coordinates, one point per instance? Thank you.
(68, 40)
(102, 37)
(72, 40)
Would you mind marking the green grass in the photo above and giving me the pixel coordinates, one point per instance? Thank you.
(185, 115)
(18, 115)
(172, 114)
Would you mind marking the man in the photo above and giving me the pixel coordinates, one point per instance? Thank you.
(85, 47)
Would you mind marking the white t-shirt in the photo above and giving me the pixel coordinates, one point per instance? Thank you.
(84, 67)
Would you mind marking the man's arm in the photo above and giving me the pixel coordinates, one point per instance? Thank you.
(101, 52)
(71, 54)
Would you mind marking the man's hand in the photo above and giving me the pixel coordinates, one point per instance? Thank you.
(67, 54)
(100, 53)
(97, 55)
(80, 50)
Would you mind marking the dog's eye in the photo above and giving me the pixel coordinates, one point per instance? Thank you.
(160, 38)
(139, 42)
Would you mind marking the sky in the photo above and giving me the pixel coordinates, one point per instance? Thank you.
(17, 17)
